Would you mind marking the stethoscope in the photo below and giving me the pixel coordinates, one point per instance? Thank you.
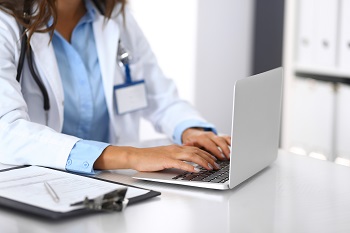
(27, 50)
(123, 57)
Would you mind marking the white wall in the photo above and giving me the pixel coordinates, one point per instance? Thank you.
(224, 55)
(170, 26)
(203, 46)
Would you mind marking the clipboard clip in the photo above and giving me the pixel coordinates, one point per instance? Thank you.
(113, 201)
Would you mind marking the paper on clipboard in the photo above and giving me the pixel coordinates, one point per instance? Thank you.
(5, 166)
(26, 185)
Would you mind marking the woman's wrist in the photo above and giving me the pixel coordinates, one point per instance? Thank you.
(115, 157)
(187, 133)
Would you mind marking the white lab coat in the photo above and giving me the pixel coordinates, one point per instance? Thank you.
(24, 137)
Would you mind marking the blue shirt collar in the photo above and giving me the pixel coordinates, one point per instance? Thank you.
(90, 11)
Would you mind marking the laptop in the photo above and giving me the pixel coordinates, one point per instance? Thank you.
(255, 133)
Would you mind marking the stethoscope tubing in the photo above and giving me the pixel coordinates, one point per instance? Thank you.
(26, 49)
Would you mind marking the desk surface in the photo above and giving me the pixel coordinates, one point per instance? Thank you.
(294, 194)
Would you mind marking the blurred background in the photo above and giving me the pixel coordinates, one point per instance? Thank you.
(206, 46)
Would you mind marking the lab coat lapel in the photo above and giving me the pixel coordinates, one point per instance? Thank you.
(45, 61)
(107, 34)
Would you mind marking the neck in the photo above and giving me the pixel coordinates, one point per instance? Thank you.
(69, 12)
(70, 9)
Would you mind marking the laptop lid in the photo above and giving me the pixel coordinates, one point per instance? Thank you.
(255, 131)
(255, 124)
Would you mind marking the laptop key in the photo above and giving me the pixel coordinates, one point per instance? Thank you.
(215, 176)
(216, 180)
(207, 179)
(198, 178)
(190, 177)
(180, 176)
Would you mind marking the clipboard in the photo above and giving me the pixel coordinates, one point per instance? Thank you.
(32, 209)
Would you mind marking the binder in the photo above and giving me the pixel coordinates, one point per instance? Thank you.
(342, 145)
(326, 32)
(312, 118)
(22, 204)
(344, 39)
(317, 33)
(306, 32)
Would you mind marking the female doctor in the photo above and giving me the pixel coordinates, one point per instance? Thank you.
(87, 77)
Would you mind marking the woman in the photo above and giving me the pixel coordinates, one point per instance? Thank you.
(78, 65)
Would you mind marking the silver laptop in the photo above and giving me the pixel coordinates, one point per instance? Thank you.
(255, 136)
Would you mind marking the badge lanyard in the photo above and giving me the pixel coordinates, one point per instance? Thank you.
(130, 96)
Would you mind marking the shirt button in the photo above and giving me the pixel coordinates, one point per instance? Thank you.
(85, 164)
(69, 162)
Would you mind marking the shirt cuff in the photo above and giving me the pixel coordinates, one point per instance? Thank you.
(180, 128)
(83, 156)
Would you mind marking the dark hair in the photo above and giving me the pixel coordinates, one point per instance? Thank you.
(44, 10)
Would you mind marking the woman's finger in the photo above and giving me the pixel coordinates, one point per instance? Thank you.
(223, 146)
(200, 157)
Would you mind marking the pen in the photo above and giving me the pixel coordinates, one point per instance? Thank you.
(52, 192)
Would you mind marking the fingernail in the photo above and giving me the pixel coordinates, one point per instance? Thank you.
(214, 158)
(210, 166)
(217, 165)
(223, 156)
(196, 169)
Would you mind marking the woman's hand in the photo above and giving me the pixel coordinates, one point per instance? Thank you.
(207, 140)
(155, 158)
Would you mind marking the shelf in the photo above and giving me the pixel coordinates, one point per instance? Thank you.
(322, 73)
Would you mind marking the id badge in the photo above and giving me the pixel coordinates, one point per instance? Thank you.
(130, 97)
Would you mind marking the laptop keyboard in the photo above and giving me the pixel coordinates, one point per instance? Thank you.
(214, 176)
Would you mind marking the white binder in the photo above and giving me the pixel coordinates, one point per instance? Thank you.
(326, 32)
(342, 147)
(317, 33)
(306, 32)
(312, 118)
(344, 40)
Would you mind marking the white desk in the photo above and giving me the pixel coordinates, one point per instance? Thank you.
(295, 194)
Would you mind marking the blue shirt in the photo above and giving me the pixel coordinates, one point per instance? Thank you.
(85, 110)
